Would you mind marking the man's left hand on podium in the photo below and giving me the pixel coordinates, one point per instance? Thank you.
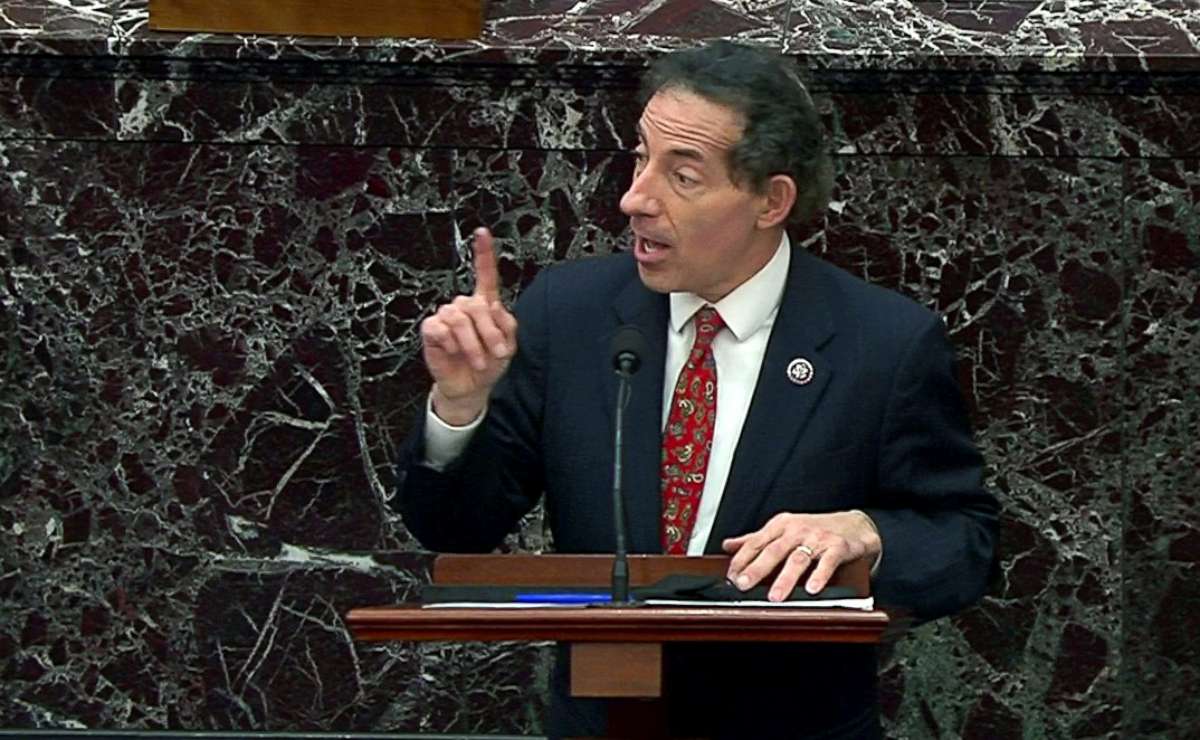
(797, 541)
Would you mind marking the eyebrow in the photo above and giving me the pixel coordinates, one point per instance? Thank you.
(682, 152)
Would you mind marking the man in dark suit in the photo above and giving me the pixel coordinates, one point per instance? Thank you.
(787, 414)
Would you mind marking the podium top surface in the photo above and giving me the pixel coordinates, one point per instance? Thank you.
(596, 570)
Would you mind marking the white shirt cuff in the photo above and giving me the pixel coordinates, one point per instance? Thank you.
(445, 442)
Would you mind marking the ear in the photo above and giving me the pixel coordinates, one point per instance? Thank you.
(778, 196)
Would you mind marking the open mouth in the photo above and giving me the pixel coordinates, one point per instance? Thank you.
(649, 247)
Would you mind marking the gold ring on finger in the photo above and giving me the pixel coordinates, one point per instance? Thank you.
(806, 551)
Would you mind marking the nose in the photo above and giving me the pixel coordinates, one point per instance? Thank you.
(639, 199)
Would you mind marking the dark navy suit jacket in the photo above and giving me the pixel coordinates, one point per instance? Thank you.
(881, 427)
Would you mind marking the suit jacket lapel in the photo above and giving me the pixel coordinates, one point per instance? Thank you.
(780, 408)
(648, 311)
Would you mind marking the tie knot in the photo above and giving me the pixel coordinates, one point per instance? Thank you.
(708, 323)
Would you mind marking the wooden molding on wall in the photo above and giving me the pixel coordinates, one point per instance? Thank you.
(436, 19)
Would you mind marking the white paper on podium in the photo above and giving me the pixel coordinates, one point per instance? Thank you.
(866, 604)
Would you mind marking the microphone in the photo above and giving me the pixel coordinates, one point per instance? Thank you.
(627, 348)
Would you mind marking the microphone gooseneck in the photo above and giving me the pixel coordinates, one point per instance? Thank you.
(628, 346)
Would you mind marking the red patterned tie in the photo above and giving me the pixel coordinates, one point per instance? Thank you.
(687, 440)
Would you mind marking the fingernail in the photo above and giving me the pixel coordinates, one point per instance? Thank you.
(501, 350)
(774, 596)
(743, 582)
(809, 587)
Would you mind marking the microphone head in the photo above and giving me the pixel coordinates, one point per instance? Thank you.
(628, 347)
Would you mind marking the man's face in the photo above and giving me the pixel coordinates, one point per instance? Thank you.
(695, 230)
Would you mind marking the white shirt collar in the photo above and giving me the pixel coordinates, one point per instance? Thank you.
(747, 307)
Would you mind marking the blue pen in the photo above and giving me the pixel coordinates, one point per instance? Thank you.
(563, 598)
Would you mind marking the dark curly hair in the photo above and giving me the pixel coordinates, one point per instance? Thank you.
(782, 135)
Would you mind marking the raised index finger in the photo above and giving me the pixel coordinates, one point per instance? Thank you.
(487, 276)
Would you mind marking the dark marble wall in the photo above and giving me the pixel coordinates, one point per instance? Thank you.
(214, 252)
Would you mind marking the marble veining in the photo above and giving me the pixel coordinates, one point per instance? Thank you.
(215, 250)
(1056, 36)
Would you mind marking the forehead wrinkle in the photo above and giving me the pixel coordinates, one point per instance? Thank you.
(701, 136)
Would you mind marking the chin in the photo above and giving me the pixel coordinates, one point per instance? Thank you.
(655, 282)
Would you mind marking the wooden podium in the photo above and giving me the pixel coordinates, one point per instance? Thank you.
(616, 652)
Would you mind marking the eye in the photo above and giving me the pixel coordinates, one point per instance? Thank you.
(685, 180)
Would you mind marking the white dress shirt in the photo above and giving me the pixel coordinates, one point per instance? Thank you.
(749, 313)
